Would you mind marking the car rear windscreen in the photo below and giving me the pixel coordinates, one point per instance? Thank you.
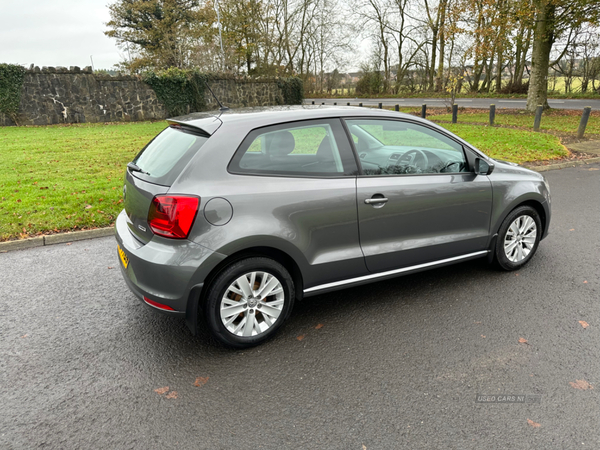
(163, 159)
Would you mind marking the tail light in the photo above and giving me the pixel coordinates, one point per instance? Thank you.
(172, 216)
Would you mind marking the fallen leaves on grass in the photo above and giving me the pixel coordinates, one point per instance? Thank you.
(533, 424)
(581, 384)
(584, 324)
(200, 381)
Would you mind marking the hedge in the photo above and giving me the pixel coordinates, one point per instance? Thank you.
(11, 84)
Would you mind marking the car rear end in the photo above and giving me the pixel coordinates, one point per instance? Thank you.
(158, 261)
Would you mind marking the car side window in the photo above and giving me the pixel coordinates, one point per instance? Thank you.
(309, 148)
(392, 147)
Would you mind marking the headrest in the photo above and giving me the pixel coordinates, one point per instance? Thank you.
(281, 143)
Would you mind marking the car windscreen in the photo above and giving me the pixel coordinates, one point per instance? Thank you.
(163, 159)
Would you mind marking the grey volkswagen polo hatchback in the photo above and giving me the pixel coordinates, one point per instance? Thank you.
(238, 214)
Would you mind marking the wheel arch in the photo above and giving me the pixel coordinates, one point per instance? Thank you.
(533, 203)
(197, 293)
(276, 254)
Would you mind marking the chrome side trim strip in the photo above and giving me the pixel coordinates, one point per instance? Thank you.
(393, 272)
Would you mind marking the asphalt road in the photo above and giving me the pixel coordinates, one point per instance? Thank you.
(485, 103)
(395, 364)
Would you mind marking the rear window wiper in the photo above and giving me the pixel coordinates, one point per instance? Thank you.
(135, 168)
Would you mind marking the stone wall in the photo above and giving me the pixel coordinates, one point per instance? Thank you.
(59, 95)
(240, 92)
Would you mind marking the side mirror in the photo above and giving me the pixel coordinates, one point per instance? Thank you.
(483, 167)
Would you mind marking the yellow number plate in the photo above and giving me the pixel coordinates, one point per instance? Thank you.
(123, 256)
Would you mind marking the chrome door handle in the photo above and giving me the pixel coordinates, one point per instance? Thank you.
(370, 201)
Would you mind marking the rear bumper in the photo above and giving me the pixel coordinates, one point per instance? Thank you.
(164, 270)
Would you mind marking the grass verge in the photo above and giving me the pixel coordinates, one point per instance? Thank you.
(510, 144)
(59, 178)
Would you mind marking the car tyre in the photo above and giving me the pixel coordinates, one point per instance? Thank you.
(249, 301)
(518, 238)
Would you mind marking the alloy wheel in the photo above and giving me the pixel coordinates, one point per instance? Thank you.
(252, 304)
(520, 238)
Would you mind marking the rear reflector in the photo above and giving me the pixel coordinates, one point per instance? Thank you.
(158, 305)
(172, 216)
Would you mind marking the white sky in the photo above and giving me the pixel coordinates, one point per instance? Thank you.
(56, 33)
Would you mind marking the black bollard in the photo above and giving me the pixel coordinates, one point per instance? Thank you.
(454, 113)
(538, 118)
(397, 108)
(360, 104)
(424, 111)
(348, 104)
(584, 120)
(380, 106)
(313, 102)
(492, 114)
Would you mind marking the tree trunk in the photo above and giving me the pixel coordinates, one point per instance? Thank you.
(543, 38)
(499, 67)
(442, 38)
(433, 57)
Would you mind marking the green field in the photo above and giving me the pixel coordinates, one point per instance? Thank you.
(70, 177)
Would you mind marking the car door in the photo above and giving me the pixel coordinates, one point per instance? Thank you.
(298, 192)
(418, 200)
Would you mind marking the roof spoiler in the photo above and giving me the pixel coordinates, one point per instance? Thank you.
(202, 123)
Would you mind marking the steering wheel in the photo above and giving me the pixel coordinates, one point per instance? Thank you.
(452, 167)
(414, 160)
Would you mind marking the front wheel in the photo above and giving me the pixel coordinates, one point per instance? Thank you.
(248, 302)
(518, 238)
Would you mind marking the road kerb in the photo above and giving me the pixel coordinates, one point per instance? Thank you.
(580, 162)
(52, 239)
(78, 235)
(21, 244)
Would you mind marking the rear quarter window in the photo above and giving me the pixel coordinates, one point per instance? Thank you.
(313, 148)
(167, 154)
